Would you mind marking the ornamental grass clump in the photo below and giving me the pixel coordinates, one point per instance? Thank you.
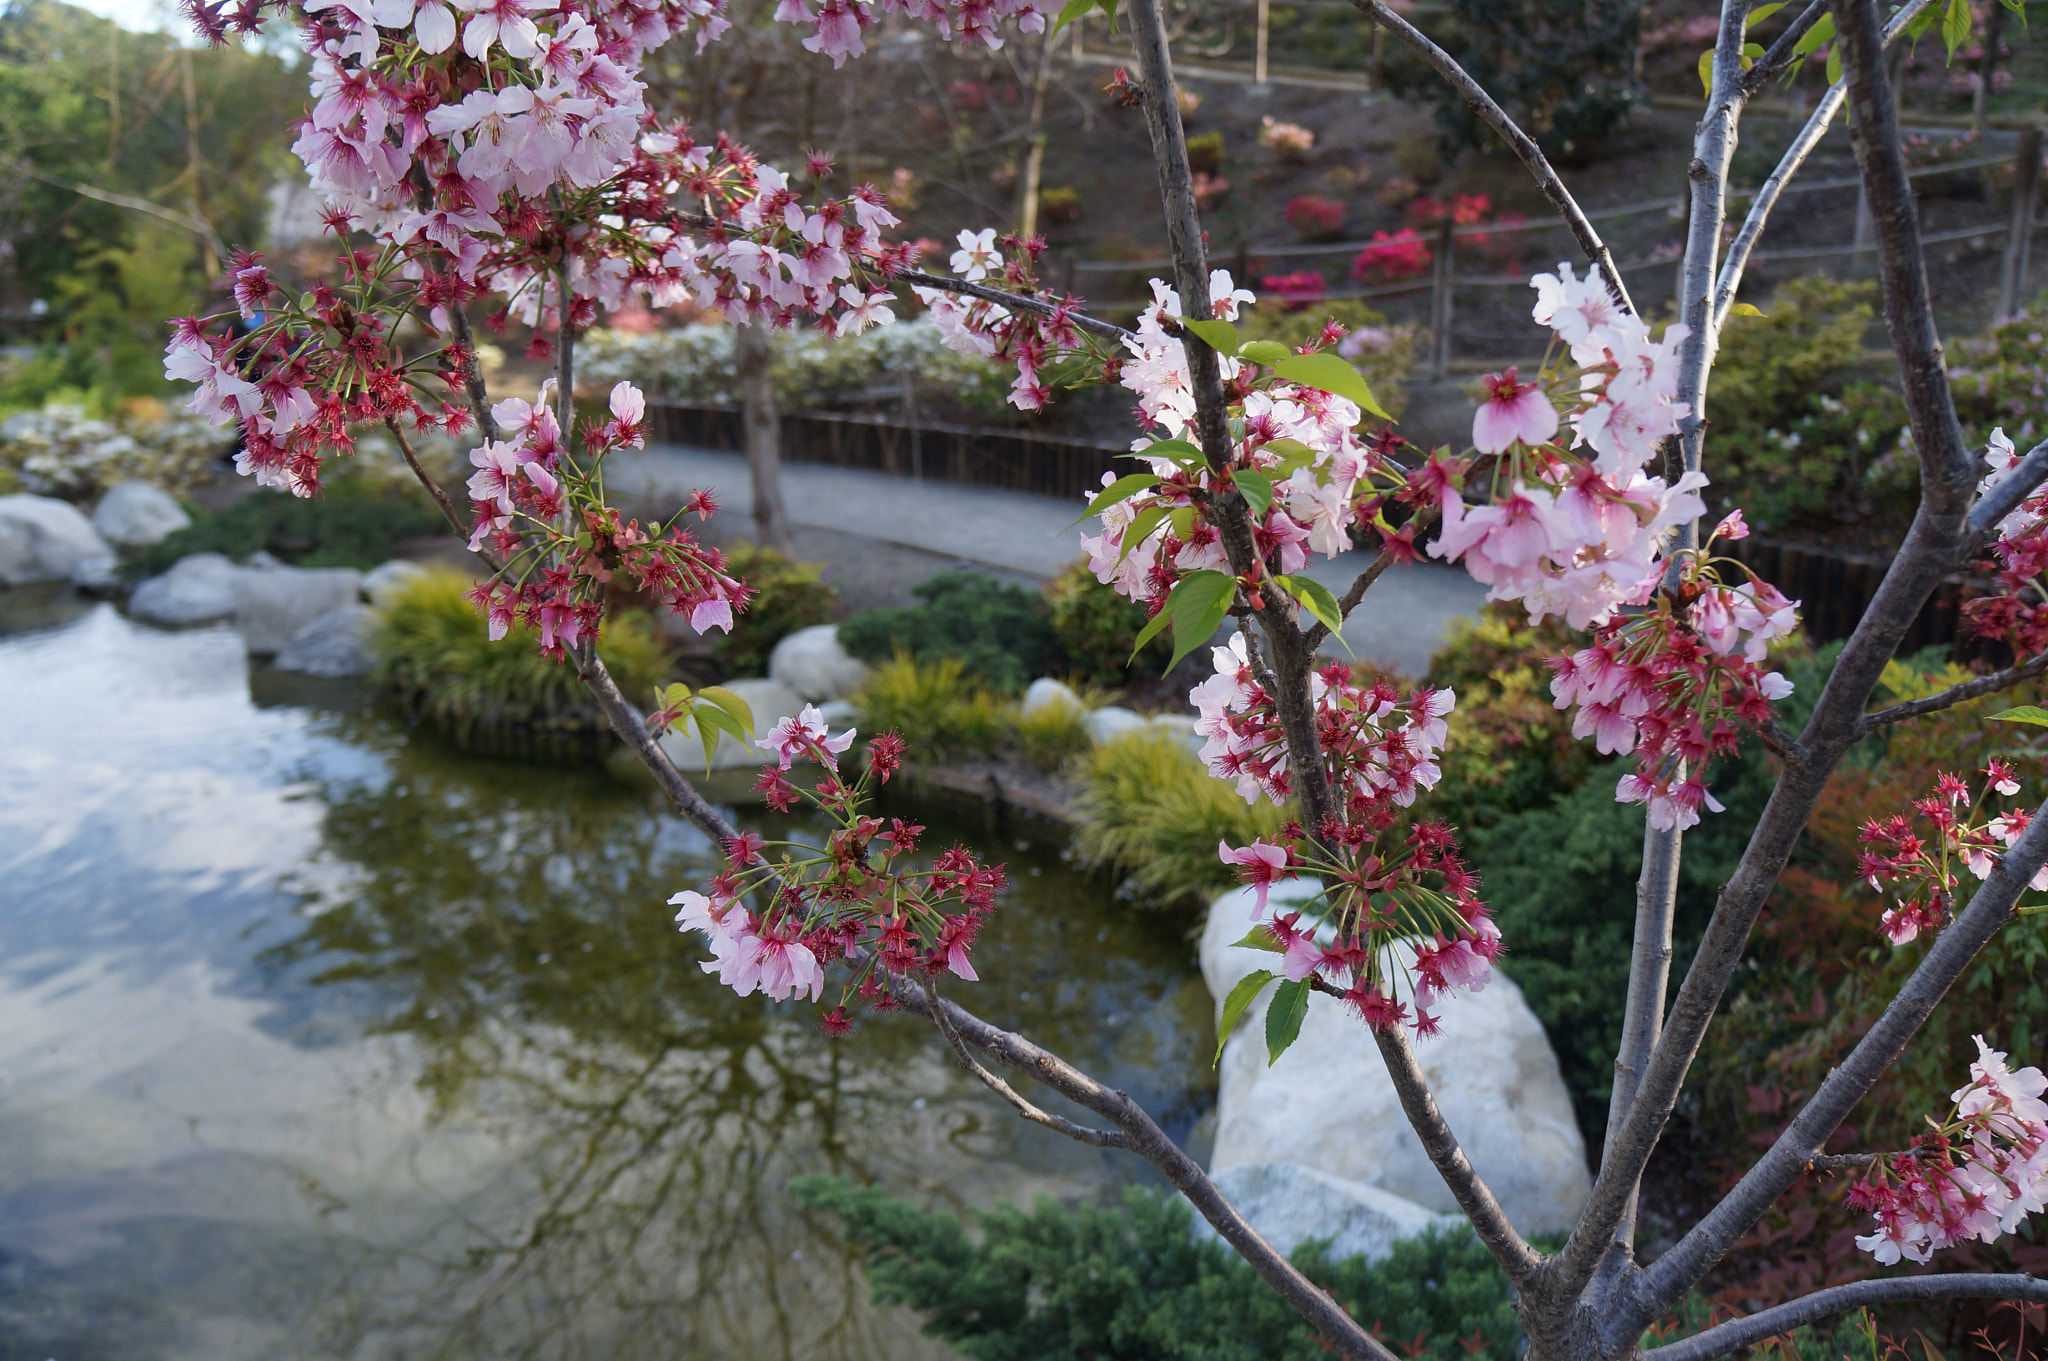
(435, 653)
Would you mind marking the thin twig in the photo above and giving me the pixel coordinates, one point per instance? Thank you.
(1780, 53)
(1014, 301)
(1524, 146)
(1098, 1138)
(1374, 570)
(1821, 1304)
(412, 461)
(2027, 670)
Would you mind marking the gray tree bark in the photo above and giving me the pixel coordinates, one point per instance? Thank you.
(763, 426)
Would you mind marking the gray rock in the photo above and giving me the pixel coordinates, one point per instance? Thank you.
(839, 713)
(196, 590)
(335, 645)
(137, 514)
(1289, 1204)
(1111, 722)
(771, 702)
(1328, 1105)
(382, 584)
(98, 576)
(1045, 693)
(44, 539)
(813, 664)
(262, 561)
(273, 604)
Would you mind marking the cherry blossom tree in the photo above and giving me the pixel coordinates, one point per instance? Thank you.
(499, 154)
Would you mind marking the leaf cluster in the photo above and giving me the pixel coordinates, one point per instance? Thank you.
(1131, 1281)
(997, 631)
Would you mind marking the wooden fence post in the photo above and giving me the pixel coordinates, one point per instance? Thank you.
(2026, 179)
(1259, 60)
(1440, 299)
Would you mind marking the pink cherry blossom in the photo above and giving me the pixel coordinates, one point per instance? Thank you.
(1512, 412)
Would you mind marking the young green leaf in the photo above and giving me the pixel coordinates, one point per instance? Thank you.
(1821, 33)
(1140, 528)
(1283, 1017)
(1204, 599)
(1329, 373)
(1316, 599)
(1123, 489)
(1763, 12)
(2025, 713)
(1069, 12)
(1260, 937)
(1257, 490)
(1241, 997)
(1265, 353)
(1179, 450)
(1707, 73)
(1834, 71)
(734, 705)
(1220, 336)
(1955, 26)
(1292, 454)
(1745, 309)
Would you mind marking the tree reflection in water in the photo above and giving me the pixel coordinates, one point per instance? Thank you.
(626, 1127)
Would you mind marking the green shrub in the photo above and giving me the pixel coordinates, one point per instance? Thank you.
(1205, 153)
(789, 596)
(1095, 628)
(435, 653)
(1794, 434)
(1052, 734)
(996, 631)
(1149, 809)
(1129, 1281)
(938, 709)
(347, 525)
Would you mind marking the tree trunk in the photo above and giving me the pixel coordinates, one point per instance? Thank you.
(763, 436)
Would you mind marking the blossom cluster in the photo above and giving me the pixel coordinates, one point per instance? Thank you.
(1921, 872)
(1675, 684)
(782, 912)
(1980, 1174)
(559, 546)
(2015, 612)
(978, 326)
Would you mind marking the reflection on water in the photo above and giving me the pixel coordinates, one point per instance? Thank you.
(317, 1039)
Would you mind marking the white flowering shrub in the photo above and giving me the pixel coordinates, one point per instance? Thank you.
(60, 451)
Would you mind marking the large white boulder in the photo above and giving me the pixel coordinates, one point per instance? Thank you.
(335, 645)
(1328, 1104)
(137, 514)
(771, 701)
(1289, 1204)
(1047, 693)
(813, 664)
(44, 539)
(273, 604)
(198, 589)
(382, 583)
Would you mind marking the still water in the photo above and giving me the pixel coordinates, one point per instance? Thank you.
(320, 1039)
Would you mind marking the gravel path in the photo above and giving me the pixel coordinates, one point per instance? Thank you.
(879, 534)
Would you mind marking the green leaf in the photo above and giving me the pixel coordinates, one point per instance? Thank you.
(1151, 630)
(1234, 1006)
(1763, 12)
(1707, 73)
(1140, 528)
(1179, 450)
(1069, 12)
(734, 705)
(2025, 713)
(1261, 937)
(1317, 600)
(1329, 373)
(1745, 309)
(1955, 26)
(1834, 71)
(1123, 489)
(1266, 353)
(2018, 8)
(1292, 454)
(672, 696)
(1822, 32)
(1257, 490)
(1283, 1018)
(1220, 336)
(1199, 602)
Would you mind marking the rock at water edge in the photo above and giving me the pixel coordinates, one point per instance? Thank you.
(335, 645)
(44, 539)
(273, 604)
(811, 663)
(1289, 1204)
(383, 583)
(1328, 1104)
(137, 514)
(197, 590)
(771, 702)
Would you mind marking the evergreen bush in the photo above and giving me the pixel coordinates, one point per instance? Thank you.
(998, 632)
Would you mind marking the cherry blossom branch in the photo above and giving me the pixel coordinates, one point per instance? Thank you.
(1097, 1138)
(1151, 1143)
(1524, 146)
(473, 376)
(1374, 570)
(2019, 482)
(1780, 53)
(1661, 1284)
(2030, 669)
(412, 461)
(1743, 1332)
(1772, 189)
(1016, 302)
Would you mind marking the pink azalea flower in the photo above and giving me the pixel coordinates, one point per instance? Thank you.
(1512, 412)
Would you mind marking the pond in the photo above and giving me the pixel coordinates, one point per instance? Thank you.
(321, 1039)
